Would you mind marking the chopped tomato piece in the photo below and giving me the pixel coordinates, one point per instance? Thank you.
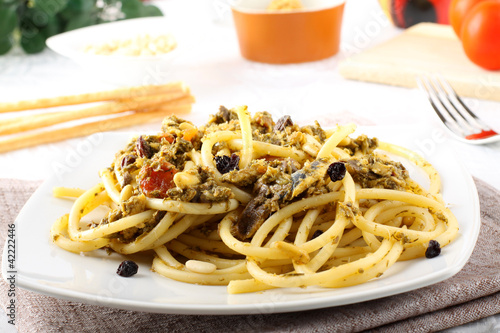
(156, 179)
(190, 134)
(169, 137)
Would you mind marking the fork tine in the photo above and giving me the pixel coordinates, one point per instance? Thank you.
(450, 107)
(421, 85)
(453, 112)
(461, 107)
(446, 117)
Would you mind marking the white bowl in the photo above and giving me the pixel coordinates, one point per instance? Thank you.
(120, 69)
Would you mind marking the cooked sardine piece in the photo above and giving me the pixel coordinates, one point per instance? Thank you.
(308, 175)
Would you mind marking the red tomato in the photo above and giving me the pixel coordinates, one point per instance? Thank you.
(481, 34)
(156, 179)
(458, 11)
(169, 137)
(190, 134)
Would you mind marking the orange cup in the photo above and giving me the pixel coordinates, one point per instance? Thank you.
(283, 37)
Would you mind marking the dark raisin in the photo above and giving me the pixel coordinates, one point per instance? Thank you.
(336, 171)
(317, 233)
(433, 249)
(222, 163)
(235, 161)
(127, 268)
(283, 122)
(143, 148)
(127, 160)
(226, 163)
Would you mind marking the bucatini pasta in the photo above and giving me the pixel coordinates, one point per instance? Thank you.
(255, 204)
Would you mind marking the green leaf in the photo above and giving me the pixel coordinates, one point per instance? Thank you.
(80, 21)
(81, 5)
(36, 16)
(49, 7)
(33, 43)
(26, 24)
(76, 7)
(8, 20)
(53, 27)
(132, 8)
(67, 14)
(5, 44)
(9, 2)
(151, 10)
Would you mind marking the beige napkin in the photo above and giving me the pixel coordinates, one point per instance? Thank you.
(472, 294)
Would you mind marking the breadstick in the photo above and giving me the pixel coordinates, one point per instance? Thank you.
(33, 139)
(24, 123)
(117, 94)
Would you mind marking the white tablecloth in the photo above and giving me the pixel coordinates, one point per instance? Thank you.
(218, 75)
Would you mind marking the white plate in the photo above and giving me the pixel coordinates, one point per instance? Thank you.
(119, 68)
(44, 268)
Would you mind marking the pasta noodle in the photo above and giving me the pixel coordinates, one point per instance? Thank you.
(262, 204)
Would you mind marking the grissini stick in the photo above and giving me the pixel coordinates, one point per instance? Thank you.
(54, 135)
(117, 94)
(24, 123)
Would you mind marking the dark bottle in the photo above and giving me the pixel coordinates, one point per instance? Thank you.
(405, 13)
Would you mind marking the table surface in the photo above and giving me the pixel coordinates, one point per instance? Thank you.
(218, 75)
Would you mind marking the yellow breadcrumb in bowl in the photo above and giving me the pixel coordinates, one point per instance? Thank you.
(141, 45)
(129, 52)
(285, 5)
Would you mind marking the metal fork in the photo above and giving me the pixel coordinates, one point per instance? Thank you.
(453, 112)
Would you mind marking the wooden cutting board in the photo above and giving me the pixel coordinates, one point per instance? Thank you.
(425, 48)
